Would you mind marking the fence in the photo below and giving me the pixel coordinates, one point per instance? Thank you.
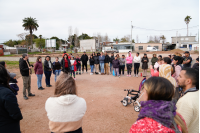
(16, 51)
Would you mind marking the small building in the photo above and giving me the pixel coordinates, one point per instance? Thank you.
(89, 45)
(143, 46)
(122, 46)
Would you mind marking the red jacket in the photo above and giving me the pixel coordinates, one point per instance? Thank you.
(154, 74)
(148, 125)
(75, 69)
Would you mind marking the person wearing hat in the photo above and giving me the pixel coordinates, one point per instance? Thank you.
(13, 83)
(196, 65)
(187, 60)
(84, 59)
(25, 70)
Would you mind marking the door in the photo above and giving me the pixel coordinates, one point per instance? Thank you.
(190, 47)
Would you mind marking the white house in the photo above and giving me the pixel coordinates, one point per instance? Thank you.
(89, 45)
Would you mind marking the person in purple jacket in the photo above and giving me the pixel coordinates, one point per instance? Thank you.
(116, 64)
(39, 72)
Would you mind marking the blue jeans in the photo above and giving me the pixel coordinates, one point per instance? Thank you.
(102, 67)
(39, 80)
(92, 67)
(47, 77)
(111, 68)
(57, 73)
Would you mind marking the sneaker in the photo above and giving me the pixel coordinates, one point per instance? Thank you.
(25, 97)
(74, 78)
(122, 74)
(49, 85)
(137, 76)
(82, 72)
(91, 73)
(40, 88)
(134, 75)
(31, 94)
(79, 73)
(127, 75)
(99, 73)
(119, 76)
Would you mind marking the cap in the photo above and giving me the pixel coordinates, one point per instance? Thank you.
(187, 52)
(3, 63)
(24, 55)
(12, 75)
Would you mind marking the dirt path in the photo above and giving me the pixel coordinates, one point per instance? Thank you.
(103, 93)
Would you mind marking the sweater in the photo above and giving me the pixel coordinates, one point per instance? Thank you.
(129, 59)
(137, 59)
(101, 59)
(154, 73)
(148, 125)
(122, 61)
(73, 109)
(188, 107)
(38, 68)
(177, 72)
(115, 63)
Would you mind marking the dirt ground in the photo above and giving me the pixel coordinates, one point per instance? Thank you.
(103, 93)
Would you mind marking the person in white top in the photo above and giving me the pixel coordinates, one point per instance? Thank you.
(65, 109)
(136, 61)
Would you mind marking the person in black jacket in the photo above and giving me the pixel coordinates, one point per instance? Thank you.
(84, 59)
(10, 114)
(196, 65)
(25, 70)
(78, 65)
(106, 62)
(111, 65)
(48, 70)
(65, 64)
(96, 64)
(91, 64)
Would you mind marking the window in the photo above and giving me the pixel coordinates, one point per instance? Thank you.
(185, 46)
(186, 38)
(182, 39)
(156, 47)
(140, 47)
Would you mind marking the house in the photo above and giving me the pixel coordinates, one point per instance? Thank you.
(186, 42)
(122, 46)
(143, 46)
(89, 45)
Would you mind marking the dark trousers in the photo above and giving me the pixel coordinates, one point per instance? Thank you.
(76, 131)
(47, 77)
(129, 68)
(121, 69)
(78, 69)
(72, 72)
(136, 68)
(84, 64)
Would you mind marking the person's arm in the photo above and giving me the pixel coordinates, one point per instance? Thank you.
(186, 62)
(35, 68)
(22, 66)
(11, 105)
(177, 72)
(147, 60)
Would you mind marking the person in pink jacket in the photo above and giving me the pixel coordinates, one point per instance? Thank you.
(177, 61)
(129, 60)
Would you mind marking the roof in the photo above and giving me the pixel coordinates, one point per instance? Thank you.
(181, 36)
(148, 43)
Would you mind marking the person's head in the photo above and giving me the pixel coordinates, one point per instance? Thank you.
(25, 56)
(3, 63)
(91, 56)
(145, 55)
(115, 57)
(160, 61)
(167, 60)
(154, 55)
(197, 60)
(187, 53)
(160, 57)
(170, 56)
(72, 58)
(129, 54)
(4, 78)
(112, 54)
(123, 56)
(64, 52)
(177, 60)
(137, 54)
(47, 58)
(173, 56)
(65, 84)
(101, 53)
(77, 56)
(39, 59)
(188, 78)
(93, 53)
(157, 88)
(84, 52)
(57, 58)
(65, 56)
(105, 53)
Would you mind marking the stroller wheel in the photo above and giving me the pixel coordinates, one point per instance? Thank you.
(125, 102)
(137, 108)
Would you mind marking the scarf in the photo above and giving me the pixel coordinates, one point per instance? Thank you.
(160, 111)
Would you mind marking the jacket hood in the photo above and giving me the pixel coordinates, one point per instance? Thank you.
(154, 54)
(66, 99)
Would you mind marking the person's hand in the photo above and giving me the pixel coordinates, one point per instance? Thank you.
(30, 67)
(151, 67)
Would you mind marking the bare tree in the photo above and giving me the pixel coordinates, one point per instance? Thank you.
(22, 36)
(76, 34)
(99, 37)
(156, 39)
(70, 34)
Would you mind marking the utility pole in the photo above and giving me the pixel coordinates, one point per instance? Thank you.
(131, 32)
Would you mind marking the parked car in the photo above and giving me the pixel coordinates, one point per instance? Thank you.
(149, 49)
(111, 50)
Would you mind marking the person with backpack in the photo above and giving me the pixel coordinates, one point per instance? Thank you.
(25, 70)
(84, 59)
(56, 68)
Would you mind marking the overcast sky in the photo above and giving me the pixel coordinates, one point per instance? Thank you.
(104, 16)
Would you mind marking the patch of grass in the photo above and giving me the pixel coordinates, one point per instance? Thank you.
(9, 55)
(34, 52)
(13, 64)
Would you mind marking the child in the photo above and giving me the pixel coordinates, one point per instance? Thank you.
(116, 64)
(78, 65)
(155, 71)
(91, 64)
(73, 67)
(13, 83)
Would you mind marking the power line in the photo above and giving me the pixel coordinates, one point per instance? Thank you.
(164, 30)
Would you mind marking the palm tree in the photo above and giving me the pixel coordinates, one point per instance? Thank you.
(31, 25)
(187, 20)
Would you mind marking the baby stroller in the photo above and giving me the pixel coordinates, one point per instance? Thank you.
(133, 99)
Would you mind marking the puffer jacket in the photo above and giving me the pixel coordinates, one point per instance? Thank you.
(115, 63)
(107, 59)
(111, 59)
(129, 60)
(96, 59)
(154, 60)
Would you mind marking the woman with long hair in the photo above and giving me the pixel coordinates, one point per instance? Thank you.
(39, 72)
(137, 61)
(10, 114)
(65, 109)
(129, 60)
(158, 113)
(56, 68)
(65, 64)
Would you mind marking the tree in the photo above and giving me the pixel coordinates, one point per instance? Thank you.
(154, 39)
(71, 47)
(187, 21)
(30, 24)
(84, 36)
(123, 40)
(133, 41)
(163, 38)
(116, 39)
(40, 43)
